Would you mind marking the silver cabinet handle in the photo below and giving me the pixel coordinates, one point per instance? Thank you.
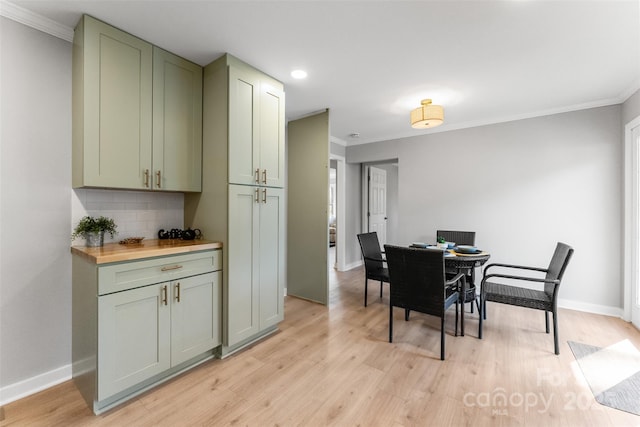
(164, 295)
(264, 176)
(146, 178)
(172, 267)
(158, 178)
(177, 292)
(258, 176)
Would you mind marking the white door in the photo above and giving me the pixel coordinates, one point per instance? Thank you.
(635, 234)
(378, 203)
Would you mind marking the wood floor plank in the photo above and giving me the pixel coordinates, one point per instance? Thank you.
(334, 366)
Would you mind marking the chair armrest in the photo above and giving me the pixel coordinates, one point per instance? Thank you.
(456, 278)
(520, 267)
(529, 279)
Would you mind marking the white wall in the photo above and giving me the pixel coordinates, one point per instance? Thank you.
(522, 186)
(38, 210)
(353, 214)
(631, 108)
(35, 203)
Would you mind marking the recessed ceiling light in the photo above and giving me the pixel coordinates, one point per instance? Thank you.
(299, 74)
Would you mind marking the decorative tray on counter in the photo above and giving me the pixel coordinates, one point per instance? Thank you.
(131, 240)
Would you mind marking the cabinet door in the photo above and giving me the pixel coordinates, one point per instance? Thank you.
(244, 156)
(195, 316)
(271, 256)
(133, 337)
(241, 291)
(117, 107)
(271, 136)
(177, 123)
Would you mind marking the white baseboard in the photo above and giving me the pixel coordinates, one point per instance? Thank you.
(35, 384)
(591, 308)
(353, 265)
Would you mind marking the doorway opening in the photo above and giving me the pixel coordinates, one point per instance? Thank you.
(380, 199)
(336, 209)
(632, 223)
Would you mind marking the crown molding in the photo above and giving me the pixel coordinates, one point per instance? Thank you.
(633, 88)
(503, 119)
(338, 141)
(33, 20)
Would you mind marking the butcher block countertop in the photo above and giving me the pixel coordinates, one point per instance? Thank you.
(116, 252)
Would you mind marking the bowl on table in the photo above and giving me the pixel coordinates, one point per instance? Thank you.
(466, 249)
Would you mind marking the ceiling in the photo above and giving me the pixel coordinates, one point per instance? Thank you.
(371, 62)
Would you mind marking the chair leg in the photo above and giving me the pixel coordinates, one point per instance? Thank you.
(546, 320)
(481, 309)
(390, 323)
(406, 314)
(366, 283)
(484, 308)
(457, 316)
(380, 289)
(442, 338)
(555, 333)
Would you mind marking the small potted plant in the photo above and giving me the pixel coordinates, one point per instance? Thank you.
(93, 229)
(442, 243)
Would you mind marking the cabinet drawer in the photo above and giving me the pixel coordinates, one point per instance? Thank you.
(129, 275)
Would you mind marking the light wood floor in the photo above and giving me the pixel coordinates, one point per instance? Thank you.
(334, 366)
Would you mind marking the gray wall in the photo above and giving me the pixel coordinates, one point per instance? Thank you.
(35, 203)
(631, 108)
(522, 186)
(353, 209)
(337, 149)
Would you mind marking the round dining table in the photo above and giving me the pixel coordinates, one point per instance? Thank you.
(463, 263)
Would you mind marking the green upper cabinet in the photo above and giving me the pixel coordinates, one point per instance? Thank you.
(256, 127)
(137, 113)
(112, 106)
(177, 123)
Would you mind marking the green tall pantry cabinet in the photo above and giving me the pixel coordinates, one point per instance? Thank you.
(137, 113)
(242, 199)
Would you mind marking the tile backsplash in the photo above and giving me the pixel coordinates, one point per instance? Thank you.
(136, 213)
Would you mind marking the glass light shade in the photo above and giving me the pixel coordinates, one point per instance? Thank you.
(427, 116)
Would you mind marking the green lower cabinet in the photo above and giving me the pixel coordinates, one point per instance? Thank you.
(136, 324)
(134, 338)
(146, 331)
(195, 316)
(254, 294)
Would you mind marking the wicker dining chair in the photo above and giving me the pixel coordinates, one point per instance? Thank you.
(546, 299)
(418, 284)
(463, 238)
(373, 261)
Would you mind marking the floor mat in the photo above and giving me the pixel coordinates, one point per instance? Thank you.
(613, 373)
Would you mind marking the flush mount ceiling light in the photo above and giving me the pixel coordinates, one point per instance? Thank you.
(299, 74)
(427, 116)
